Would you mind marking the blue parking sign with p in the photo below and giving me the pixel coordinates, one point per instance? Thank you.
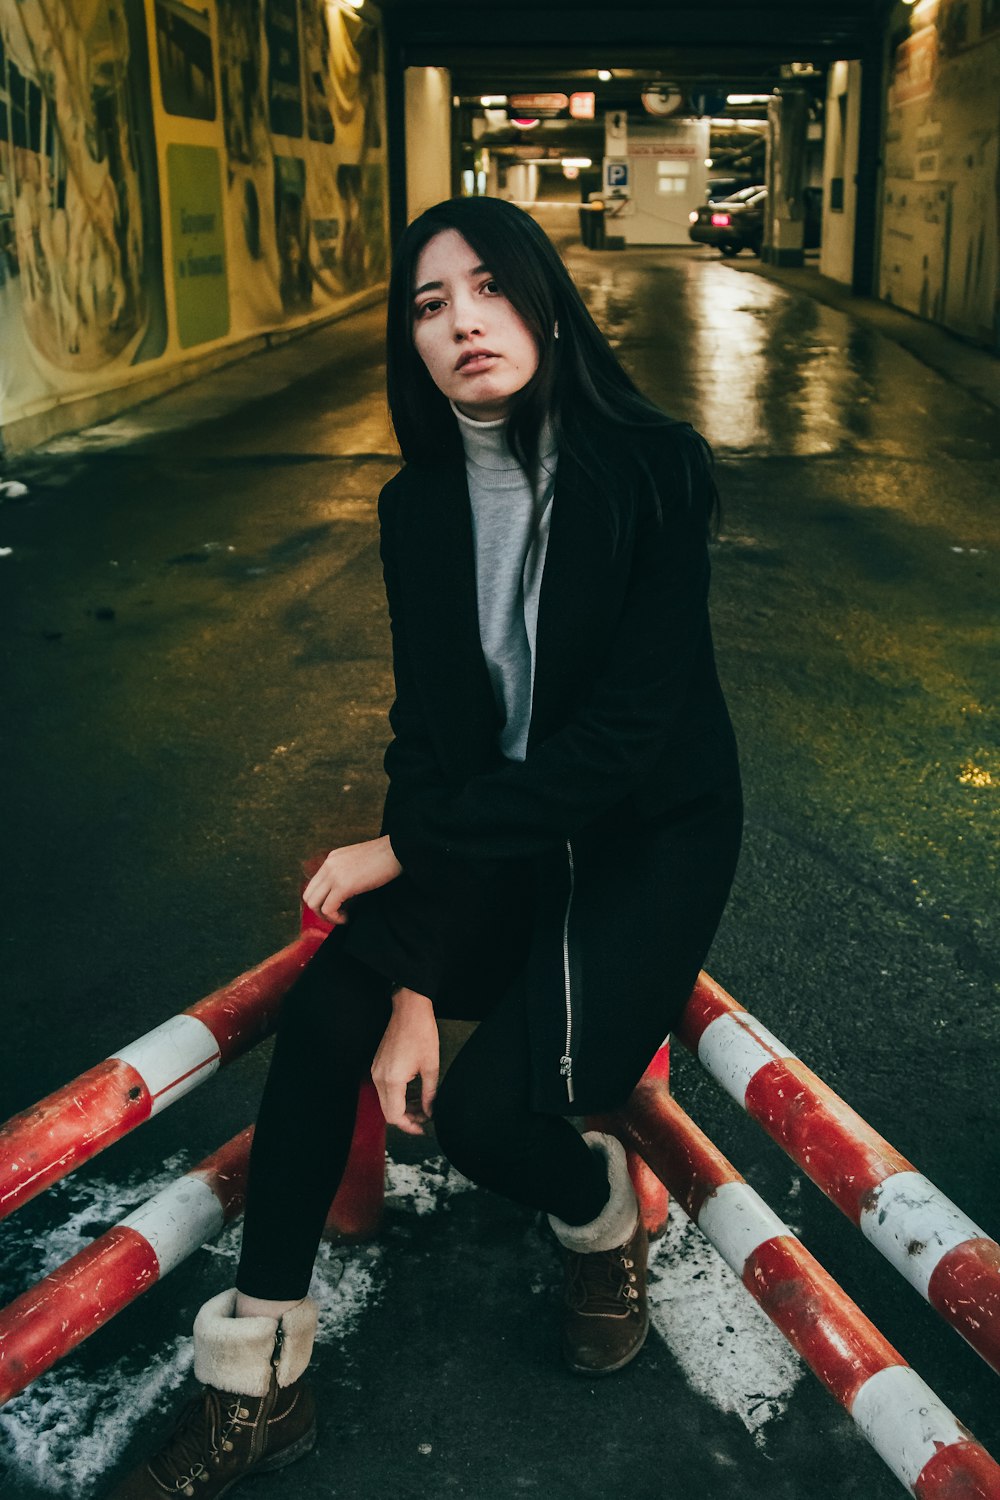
(616, 174)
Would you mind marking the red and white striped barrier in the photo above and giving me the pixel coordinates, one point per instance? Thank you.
(76, 1299)
(939, 1250)
(924, 1445)
(46, 1142)
(72, 1302)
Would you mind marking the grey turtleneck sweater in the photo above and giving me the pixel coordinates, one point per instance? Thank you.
(510, 528)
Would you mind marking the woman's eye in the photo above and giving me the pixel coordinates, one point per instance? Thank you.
(426, 307)
(491, 286)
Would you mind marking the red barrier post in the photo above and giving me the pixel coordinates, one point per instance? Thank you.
(654, 1200)
(70, 1127)
(939, 1250)
(77, 1298)
(924, 1445)
(356, 1211)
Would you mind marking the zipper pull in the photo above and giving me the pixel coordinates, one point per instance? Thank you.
(565, 1067)
(279, 1339)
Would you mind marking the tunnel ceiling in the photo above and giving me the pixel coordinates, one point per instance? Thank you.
(558, 42)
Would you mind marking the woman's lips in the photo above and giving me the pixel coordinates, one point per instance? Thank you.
(472, 364)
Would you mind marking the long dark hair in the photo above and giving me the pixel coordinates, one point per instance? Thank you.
(579, 381)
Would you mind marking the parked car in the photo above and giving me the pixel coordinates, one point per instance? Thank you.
(731, 223)
(724, 187)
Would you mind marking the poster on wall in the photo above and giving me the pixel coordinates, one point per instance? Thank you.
(184, 59)
(284, 82)
(81, 279)
(197, 236)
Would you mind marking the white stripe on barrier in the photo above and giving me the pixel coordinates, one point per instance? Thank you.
(733, 1048)
(913, 1225)
(177, 1220)
(738, 1222)
(172, 1059)
(904, 1421)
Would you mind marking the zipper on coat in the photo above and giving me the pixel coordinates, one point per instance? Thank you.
(566, 1061)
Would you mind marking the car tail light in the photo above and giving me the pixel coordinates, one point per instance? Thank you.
(721, 220)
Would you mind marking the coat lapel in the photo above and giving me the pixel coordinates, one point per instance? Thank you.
(443, 620)
(575, 597)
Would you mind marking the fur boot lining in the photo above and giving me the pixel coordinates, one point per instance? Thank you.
(234, 1354)
(616, 1222)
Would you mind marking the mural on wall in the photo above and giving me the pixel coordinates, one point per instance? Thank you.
(268, 119)
(941, 218)
(81, 290)
(302, 112)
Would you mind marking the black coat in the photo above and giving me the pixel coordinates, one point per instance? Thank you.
(596, 870)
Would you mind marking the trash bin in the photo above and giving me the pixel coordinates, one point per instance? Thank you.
(592, 225)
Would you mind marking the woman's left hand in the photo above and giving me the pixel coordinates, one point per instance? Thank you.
(348, 871)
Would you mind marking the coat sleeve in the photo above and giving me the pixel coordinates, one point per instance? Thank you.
(634, 709)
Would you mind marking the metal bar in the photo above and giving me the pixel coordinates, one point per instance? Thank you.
(941, 1252)
(77, 1298)
(931, 1453)
(57, 1135)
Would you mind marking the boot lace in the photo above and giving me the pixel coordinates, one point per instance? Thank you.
(603, 1281)
(201, 1435)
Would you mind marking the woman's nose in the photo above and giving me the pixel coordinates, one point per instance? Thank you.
(466, 319)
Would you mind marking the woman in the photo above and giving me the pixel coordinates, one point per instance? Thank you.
(560, 832)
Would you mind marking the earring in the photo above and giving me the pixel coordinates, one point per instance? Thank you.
(555, 329)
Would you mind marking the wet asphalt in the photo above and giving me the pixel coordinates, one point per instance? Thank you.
(195, 681)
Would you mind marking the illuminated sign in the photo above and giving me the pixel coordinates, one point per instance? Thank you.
(542, 105)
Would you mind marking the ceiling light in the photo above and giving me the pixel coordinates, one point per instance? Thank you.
(747, 98)
(493, 101)
(605, 75)
(577, 161)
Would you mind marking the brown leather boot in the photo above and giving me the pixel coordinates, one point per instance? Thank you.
(605, 1315)
(254, 1414)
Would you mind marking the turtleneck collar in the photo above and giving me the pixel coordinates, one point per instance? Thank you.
(486, 446)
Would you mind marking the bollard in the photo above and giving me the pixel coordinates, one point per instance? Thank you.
(924, 1445)
(654, 1200)
(77, 1298)
(57, 1135)
(356, 1211)
(951, 1262)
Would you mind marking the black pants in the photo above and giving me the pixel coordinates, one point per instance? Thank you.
(332, 1021)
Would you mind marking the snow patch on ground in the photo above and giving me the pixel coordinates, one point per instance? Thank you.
(729, 1350)
(69, 1429)
(420, 1187)
(66, 1431)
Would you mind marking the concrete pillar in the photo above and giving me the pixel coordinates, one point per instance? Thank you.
(840, 169)
(428, 138)
(788, 119)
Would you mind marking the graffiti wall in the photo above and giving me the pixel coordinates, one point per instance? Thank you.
(176, 175)
(940, 254)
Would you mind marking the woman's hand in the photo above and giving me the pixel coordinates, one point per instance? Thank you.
(408, 1048)
(348, 871)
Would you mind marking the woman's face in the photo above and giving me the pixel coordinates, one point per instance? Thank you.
(477, 348)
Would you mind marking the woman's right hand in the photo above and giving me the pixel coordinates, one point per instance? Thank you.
(408, 1048)
(348, 871)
